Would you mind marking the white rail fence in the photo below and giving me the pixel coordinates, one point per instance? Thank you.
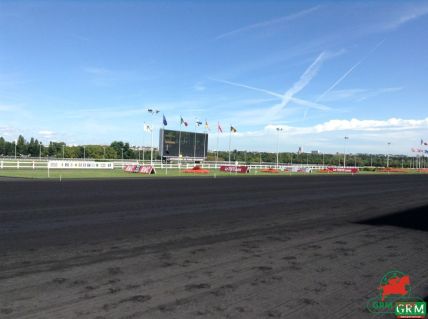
(43, 164)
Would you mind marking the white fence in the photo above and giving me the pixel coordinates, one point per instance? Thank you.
(115, 164)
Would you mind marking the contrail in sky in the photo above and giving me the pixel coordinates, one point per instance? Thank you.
(347, 73)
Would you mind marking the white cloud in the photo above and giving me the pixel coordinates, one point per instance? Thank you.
(392, 124)
(97, 71)
(46, 134)
(366, 136)
(199, 87)
(8, 131)
(8, 108)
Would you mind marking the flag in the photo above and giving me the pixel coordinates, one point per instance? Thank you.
(164, 121)
(147, 128)
(182, 121)
(219, 129)
(198, 123)
(422, 142)
(300, 150)
(206, 125)
(151, 111)
(232, 129)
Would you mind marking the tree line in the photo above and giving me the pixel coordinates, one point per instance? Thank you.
(118, 150)
(35, 148)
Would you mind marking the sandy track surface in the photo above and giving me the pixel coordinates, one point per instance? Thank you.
(263, 247)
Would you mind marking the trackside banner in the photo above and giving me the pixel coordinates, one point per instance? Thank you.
(147, 169)
(79, 165)
(142, 169)
(352, 170)
(234, 169)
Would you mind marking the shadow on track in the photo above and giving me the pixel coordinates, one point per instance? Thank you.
(416, 218)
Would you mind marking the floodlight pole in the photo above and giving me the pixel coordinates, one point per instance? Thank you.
(40, 151)
(344, 151)
(152, 112)
(278, 129)
(387, 157)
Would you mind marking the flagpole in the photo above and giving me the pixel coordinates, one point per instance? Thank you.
(230, 138)
(151, 151)
(194, 146)
(179, 142)
(205, 137)
(216, 153)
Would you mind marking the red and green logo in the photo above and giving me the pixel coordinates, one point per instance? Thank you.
(395, 297)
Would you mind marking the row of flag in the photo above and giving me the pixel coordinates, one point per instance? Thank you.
(148, 128)
(420, 150)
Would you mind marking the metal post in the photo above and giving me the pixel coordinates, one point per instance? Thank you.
(153, 112)
(278, 129)
(194, 144)
(387, 159)
(344, 151)
(230, 137)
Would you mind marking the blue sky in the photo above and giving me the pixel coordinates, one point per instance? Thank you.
(85, 72)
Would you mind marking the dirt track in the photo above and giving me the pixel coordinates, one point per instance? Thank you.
(266, 247)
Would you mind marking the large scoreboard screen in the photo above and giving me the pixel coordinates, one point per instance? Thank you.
(188, 144)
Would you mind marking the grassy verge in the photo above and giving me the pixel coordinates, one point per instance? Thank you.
(117, 173)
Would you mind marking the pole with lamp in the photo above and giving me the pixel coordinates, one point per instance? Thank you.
(344, 151)
(153, 112)
(387, 155)
(278, 130)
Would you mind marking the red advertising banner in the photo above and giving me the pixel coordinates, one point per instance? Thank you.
(147, 169)
(234, 169)
(352, 170)
(130, 168)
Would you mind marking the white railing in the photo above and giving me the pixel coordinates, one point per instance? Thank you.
(118, 164)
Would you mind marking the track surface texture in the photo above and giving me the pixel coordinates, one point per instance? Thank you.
(263, 247)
